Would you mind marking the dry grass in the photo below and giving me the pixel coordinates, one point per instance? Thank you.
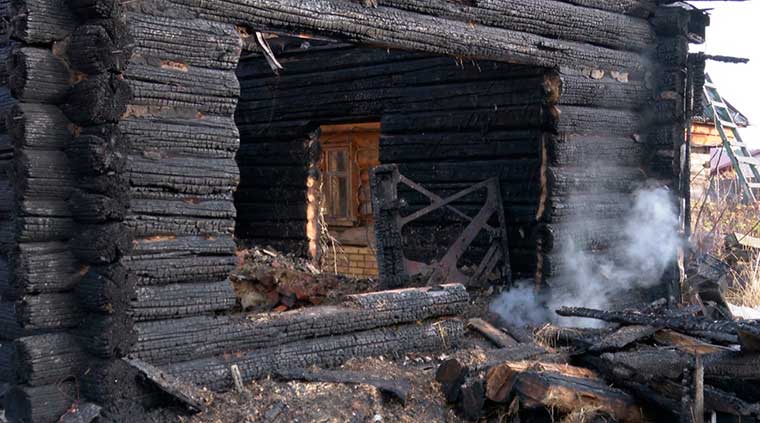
(714, 219)
(748, 293)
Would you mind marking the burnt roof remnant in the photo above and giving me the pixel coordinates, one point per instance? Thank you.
(139, 138)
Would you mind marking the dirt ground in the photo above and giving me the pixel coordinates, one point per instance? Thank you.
(277, 401)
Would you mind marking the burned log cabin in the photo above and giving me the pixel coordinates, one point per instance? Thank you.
(141, 137)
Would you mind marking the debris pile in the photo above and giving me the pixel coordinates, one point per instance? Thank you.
(648, 365)
(267, 280)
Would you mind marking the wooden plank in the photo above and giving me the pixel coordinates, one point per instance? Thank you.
(498, 337)
(187, 393)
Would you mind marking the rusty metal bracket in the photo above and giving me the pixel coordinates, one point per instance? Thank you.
(395, 268)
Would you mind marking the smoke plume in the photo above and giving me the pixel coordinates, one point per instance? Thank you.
(648, 245)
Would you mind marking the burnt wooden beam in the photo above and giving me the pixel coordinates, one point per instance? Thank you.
(203, 336)
(392, 27)
(324, 352)
(560, 20)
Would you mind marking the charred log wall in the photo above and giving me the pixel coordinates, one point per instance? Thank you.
(39, 273)
(448, 124)
(119, 143)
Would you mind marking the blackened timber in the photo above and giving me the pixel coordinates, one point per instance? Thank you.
(205, 90)
(107, 336)
(210, 137)
(203, 336)
(42, 268)
(599, 179)
(47, 358)
(36, 75)
(42, 208)
(587, 206)
(391, 27)
(589, 120)
(38, 126)
(106, 289)
(93, 50)
(579, 89)
(568, 234)
(169, 268)
(569, 149)
(101, 243)
(42, 229)
(184, 174)
(97, 100)
(322, 352)
(515, 117)
(687, 324)
(39, 404)
(99, 150)
(461, 145)
(179, 300)
(34, 314)
(96, 208)
(640, 8)
(41, 21)
(155, 40)
(189, 245)
(559, 20)
(161, 217)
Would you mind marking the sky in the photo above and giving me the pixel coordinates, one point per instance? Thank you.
(735, 31)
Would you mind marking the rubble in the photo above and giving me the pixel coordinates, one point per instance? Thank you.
(645, 366)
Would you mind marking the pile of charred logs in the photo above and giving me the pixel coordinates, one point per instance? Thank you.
(646, 365)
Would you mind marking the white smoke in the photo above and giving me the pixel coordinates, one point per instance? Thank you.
(648, 245)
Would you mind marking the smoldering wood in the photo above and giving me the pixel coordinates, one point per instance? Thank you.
(680, 323)
(322, 352)
(203, 336)
(622, 337)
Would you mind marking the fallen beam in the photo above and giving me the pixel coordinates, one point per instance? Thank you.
(203, 336)
(215, 372)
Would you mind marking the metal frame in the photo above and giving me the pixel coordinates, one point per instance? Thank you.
(390, 224)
